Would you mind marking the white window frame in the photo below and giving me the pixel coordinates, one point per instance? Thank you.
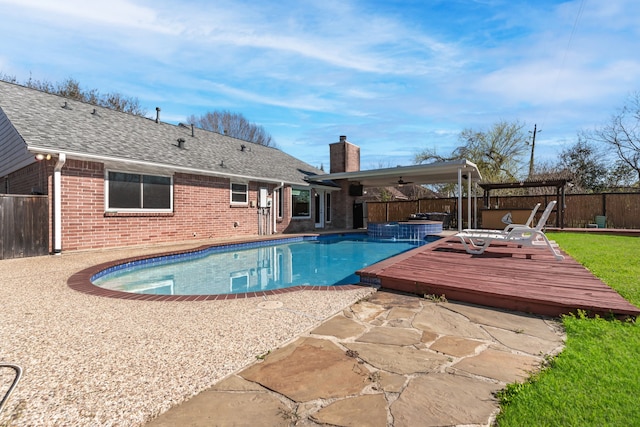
(279, 203)
(142, 210)
(245, 192)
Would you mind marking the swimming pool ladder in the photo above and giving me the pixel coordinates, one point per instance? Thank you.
(18, 371)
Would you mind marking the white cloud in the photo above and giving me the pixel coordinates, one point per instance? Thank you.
(114, 12)
(317, 68)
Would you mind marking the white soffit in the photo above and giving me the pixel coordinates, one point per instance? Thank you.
(433, 173)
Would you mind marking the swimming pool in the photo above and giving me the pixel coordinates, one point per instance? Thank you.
(253, 267)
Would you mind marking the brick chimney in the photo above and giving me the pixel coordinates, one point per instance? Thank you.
(344, 156)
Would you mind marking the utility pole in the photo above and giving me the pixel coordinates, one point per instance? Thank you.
(533, 147)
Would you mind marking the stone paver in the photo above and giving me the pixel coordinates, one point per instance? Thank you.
(397, 313)
(366, 311)
(500, 365)
(515, 322)
(396, 359)
(523, 342)
(366, 410)
(444, 400)
(456, 346)
(295, 371)
(339, 327)
(436, 318)
(391, 336)
(218, 408)
(392, 360)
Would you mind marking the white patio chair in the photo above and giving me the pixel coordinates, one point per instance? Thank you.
(476, 242)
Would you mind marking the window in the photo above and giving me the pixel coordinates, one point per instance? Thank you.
(280, 203)
(239, 282)
(300, 203)
(239, 194)
(139, 192)
(327, 207)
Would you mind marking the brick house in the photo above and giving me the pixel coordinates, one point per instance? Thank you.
(114, 179)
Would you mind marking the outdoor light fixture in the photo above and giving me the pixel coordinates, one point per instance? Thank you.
(40, 157)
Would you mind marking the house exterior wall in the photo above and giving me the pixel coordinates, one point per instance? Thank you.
(201, 209)
(343, 203)
(13, 150)
(301, 225)
(31, 179)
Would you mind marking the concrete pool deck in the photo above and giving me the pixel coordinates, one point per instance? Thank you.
(90, 360)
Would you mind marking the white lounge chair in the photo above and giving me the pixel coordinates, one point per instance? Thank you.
(509, 226)
(476, 242)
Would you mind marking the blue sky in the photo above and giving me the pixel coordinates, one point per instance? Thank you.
(396, 77)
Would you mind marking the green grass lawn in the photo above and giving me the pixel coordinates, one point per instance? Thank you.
(595, 381)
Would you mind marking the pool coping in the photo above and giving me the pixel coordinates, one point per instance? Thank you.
(81, 280)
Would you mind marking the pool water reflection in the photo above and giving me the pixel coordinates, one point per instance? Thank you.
(326, 261)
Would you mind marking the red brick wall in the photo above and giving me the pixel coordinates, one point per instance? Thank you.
(342, 206)
(202, 210)
(344, 156)
(31, 179)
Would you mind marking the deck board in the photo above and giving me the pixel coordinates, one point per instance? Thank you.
(505, 276)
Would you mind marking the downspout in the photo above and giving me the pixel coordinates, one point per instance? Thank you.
(57, 204)
(274, 207)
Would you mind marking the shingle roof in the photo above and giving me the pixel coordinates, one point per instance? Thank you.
(85, 131)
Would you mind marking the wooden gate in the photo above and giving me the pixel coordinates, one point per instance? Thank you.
(24, 226)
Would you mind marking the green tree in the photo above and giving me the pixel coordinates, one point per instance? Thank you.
(233, 124)
(585, 165)
(497, 152)
(621, 175)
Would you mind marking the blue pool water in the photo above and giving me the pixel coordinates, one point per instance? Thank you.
(254, 267)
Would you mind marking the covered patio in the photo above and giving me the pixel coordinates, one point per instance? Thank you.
(459, 172)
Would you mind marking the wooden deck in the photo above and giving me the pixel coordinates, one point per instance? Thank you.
(505, 276)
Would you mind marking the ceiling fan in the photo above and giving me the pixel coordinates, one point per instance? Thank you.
(403, 182)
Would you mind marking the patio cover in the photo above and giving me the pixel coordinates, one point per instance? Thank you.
(432, 173)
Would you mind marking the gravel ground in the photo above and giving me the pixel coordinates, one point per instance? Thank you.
(96, 361)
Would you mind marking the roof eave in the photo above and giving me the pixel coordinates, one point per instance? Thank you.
(169, 167)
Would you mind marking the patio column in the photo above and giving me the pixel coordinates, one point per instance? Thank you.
(469, 200)
(459, 199)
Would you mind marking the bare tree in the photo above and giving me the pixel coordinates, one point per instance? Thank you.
(233, 124)
(497, 152)
(622, 133)
(70, 88)
(119, 102)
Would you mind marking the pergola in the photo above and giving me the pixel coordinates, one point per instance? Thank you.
(559, 184)
(433, 173)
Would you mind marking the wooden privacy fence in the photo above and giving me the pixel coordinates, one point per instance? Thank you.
(24, 226)
(617, 210)
(399, 211)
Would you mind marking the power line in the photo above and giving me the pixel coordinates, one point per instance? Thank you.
(566, 53)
